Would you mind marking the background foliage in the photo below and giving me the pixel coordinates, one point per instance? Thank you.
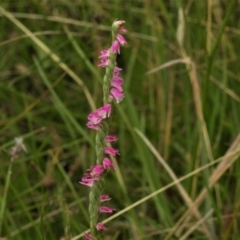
(180, 112)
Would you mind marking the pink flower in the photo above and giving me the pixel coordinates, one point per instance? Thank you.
(96, 167)
(117, 83)
(117, 70)
(121, 39)
(107, 164)
(105, 209)
(111, 151)
(105, 111)
(96, 171)
(104, 62)
(104, 58)
(95, 118)
(88, 180)
(104, 54)
(86, 177)
(89, 184)
(111, 138)
(122, 29)
(117, 94)
(116, 77)
(100, 226)
(92, 126)
(119, 26)
(88, 236)
(115, 47)
(104, 198)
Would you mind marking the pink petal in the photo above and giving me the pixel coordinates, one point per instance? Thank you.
(88, 180)
(105, 111)
(115, 47)
(104, 54)
(117, 78)
(117, 83)
(94, 118)
(93, 126)
(111, 138)
(104, 209)
(104, 62)
(121, 39)
(97, 170)
(86, 176)
(89, 184)
(107, 164)
(116, 71)
(111, 151)
(117, 94)
(104, 198)
(122, 29)
(100, 226)
(88, 236)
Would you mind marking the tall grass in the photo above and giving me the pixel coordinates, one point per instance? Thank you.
(178, 127)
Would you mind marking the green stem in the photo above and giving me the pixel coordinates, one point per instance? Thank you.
(215, 46)
(5, 192)
(108, 77)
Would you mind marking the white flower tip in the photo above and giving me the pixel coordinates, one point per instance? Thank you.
(117, 24)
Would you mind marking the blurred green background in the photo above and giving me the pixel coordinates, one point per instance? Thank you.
(180, 113)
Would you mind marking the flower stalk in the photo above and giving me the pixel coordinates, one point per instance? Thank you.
(99, 121)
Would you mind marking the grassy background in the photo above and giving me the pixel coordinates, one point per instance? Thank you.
(180, 113)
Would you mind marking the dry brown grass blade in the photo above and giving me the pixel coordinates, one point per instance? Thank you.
(209, 26)
(168, 64)
(229, 158)
(191, 67)
(180, 188)
(225, 89)
(47, 50)
(75, 22)
(226, 163)
(198, 106)
(153, 194)
(196, 225)
(168, 119)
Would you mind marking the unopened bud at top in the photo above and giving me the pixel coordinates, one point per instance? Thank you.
(117, 26)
